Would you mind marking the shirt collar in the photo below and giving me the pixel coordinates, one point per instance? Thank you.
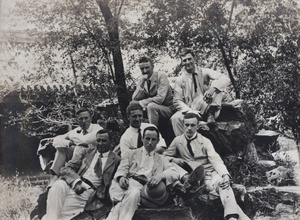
(147, 153)
(135, 130)
(105, 154)
(193, 137)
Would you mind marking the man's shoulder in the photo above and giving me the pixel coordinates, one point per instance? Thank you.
(114, 155)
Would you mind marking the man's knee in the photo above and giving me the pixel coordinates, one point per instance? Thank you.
(176, 117)
(60, 186)
(152, 107)
(134, 194)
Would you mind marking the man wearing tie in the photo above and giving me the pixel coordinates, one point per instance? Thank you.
(84, 134)
(198, 90)
(191, 150)
(84, 182)
(153, 92)
(138, 167)
(132, 137)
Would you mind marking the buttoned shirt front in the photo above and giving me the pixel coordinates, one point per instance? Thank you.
(129, 140)
(146, 165)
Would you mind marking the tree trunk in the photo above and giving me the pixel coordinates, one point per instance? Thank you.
(113, 33)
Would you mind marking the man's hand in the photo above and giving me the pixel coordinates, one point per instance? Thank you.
(71, 143)
(178, 161)
(154, 181)
(135, 102)
(208, 95)
(225, 183)
(196, 112)
(124, 182)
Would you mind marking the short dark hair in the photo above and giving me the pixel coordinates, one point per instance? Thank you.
(80, 110)
(105, 131)
(145, 59)
(133, 106)
(186, 50)
(191, 115)
(151, 128)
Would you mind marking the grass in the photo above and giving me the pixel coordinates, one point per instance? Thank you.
(18, 197)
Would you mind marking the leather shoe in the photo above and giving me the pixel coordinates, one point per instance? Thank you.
(198, 174)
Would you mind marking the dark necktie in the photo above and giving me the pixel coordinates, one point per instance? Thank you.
(189, 145)
(195, 82)
(84, 132)
(98, 166)
(140, 143)
(149, 84)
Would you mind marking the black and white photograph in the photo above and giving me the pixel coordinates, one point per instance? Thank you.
(150, 110)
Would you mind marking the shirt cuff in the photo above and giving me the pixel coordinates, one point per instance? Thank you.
(75, 182)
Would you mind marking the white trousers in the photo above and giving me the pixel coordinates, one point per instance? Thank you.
(200, 105)
(212, 180)
(128, 200)
(63, 203)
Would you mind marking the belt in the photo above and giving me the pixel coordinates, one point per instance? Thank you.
(139, 179)
(88, 182)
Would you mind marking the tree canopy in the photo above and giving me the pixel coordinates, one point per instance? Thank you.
(256, 43)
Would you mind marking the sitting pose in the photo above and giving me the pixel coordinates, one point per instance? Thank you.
(138, 167)
(153, 92)
(84, 182)
(198, 90)
(132, 137)
(192, 149)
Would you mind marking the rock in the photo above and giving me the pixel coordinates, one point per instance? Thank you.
(266, 163)
(266, 143)
(250, 154)
(236, 127)
(166, 213)
(278, 174)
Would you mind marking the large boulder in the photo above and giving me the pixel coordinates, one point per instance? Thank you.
(235, 128)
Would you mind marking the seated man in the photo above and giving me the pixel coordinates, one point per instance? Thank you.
(132, 137)
(84, 182)
(84, 135)
(137, 168)
(199, 90)
(153, 92)
(193, 149)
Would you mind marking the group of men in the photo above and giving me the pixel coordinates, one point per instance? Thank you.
(95, 176)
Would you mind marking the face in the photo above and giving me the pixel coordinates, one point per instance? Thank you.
(150, 140)
(84, 120)
(188, 62)
(103, 142)
(135, 118)
(146, 68)
(191, 126)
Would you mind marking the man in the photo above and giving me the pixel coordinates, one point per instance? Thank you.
(132, 137)
(192, 149)
(84, 182)
(197, 90)
(153, 92)
(84, 135)
(138, 167)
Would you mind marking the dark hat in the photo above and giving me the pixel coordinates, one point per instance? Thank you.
(154, 197)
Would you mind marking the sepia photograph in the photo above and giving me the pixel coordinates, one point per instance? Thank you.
(150, 109)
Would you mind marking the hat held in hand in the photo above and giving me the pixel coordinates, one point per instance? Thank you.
(154, 197)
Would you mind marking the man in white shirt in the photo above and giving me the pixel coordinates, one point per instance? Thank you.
(192, 150)
(84, 135)
(84, 182)
(132, 137)
(139, 167)
(198, 90)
